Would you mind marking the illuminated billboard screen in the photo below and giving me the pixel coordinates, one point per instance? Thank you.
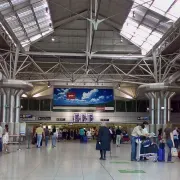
(84, 97)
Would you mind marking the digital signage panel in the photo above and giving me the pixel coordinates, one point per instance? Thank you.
(83, 97)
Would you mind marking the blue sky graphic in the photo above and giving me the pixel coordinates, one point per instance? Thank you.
(84, 97)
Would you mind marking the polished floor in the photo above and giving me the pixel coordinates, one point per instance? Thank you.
(75, 161)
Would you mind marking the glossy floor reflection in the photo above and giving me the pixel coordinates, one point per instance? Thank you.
(75, 161)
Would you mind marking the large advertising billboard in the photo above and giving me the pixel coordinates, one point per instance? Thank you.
(87, 99)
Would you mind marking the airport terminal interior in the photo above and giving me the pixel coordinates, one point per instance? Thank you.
(89, 89)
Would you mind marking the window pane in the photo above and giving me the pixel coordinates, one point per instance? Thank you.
(24, 104)
(131, 106)
(120, 106)
(142, 106)
(175, 106)
(33, 104)
(45, 105)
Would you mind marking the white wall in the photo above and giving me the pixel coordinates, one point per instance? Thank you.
(122, 117)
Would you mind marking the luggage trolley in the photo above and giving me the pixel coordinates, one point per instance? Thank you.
(145, 149)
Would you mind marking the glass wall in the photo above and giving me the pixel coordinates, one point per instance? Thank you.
(120, 105)
(132, 106)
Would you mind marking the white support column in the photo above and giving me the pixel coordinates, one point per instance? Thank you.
(3, 108)
(18, 108)
(169, 106)
(12, 111)
(158, 109)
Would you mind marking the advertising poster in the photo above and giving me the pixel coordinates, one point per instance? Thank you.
(22, 128)
(83, 99)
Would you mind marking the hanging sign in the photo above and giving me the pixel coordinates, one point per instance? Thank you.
(60, 119)
(44, 118)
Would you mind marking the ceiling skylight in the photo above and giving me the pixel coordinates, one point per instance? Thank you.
(29, 20)
(148, 20)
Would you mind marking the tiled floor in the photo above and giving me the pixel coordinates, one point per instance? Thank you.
(75, 161)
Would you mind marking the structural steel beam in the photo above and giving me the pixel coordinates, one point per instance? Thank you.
(118, 56)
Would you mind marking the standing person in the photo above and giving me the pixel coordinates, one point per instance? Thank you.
(93, 134)
(6, 139)
(168, 136)
(118, 136)
(176, 137)
(160, 131)
(54, 136)
(40, 134)
(81, 133)
(137, 131)
(103, 141)
(114, 136)
(89, 136)
(1, 133)
(145, 130)
(46, 136)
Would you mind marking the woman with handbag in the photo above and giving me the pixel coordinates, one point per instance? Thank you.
(168, 136)
(103, 141)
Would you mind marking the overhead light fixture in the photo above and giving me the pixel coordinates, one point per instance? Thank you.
(121, 39)
(24, 96)
(49, 84)
(119, 86)
(53, 39)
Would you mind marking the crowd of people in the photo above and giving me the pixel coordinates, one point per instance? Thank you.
(104, 136)
(169, 137)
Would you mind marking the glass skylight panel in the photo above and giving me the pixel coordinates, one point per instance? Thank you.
(126, 35)
(164, 6)
(16, 2)
(155, 33)
(175, 9)
(142, 33)
(152, 39)
(146, 33)
(4, 4)
(28, 23)
(146, 46)
(146, 29)
(34, 38)
(137, 40)
(24, 13)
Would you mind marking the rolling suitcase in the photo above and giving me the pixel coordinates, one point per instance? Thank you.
(161, 155)
(85, 139)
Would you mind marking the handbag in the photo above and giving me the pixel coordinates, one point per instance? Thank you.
(174, 152)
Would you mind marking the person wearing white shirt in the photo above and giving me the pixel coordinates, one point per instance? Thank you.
(145, 130)
(137, 131)
(89, 134)
(175, 136)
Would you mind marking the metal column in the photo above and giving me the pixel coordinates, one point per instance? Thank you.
(169, 106)
(18, 108)
(3, 108)
(158, 108)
